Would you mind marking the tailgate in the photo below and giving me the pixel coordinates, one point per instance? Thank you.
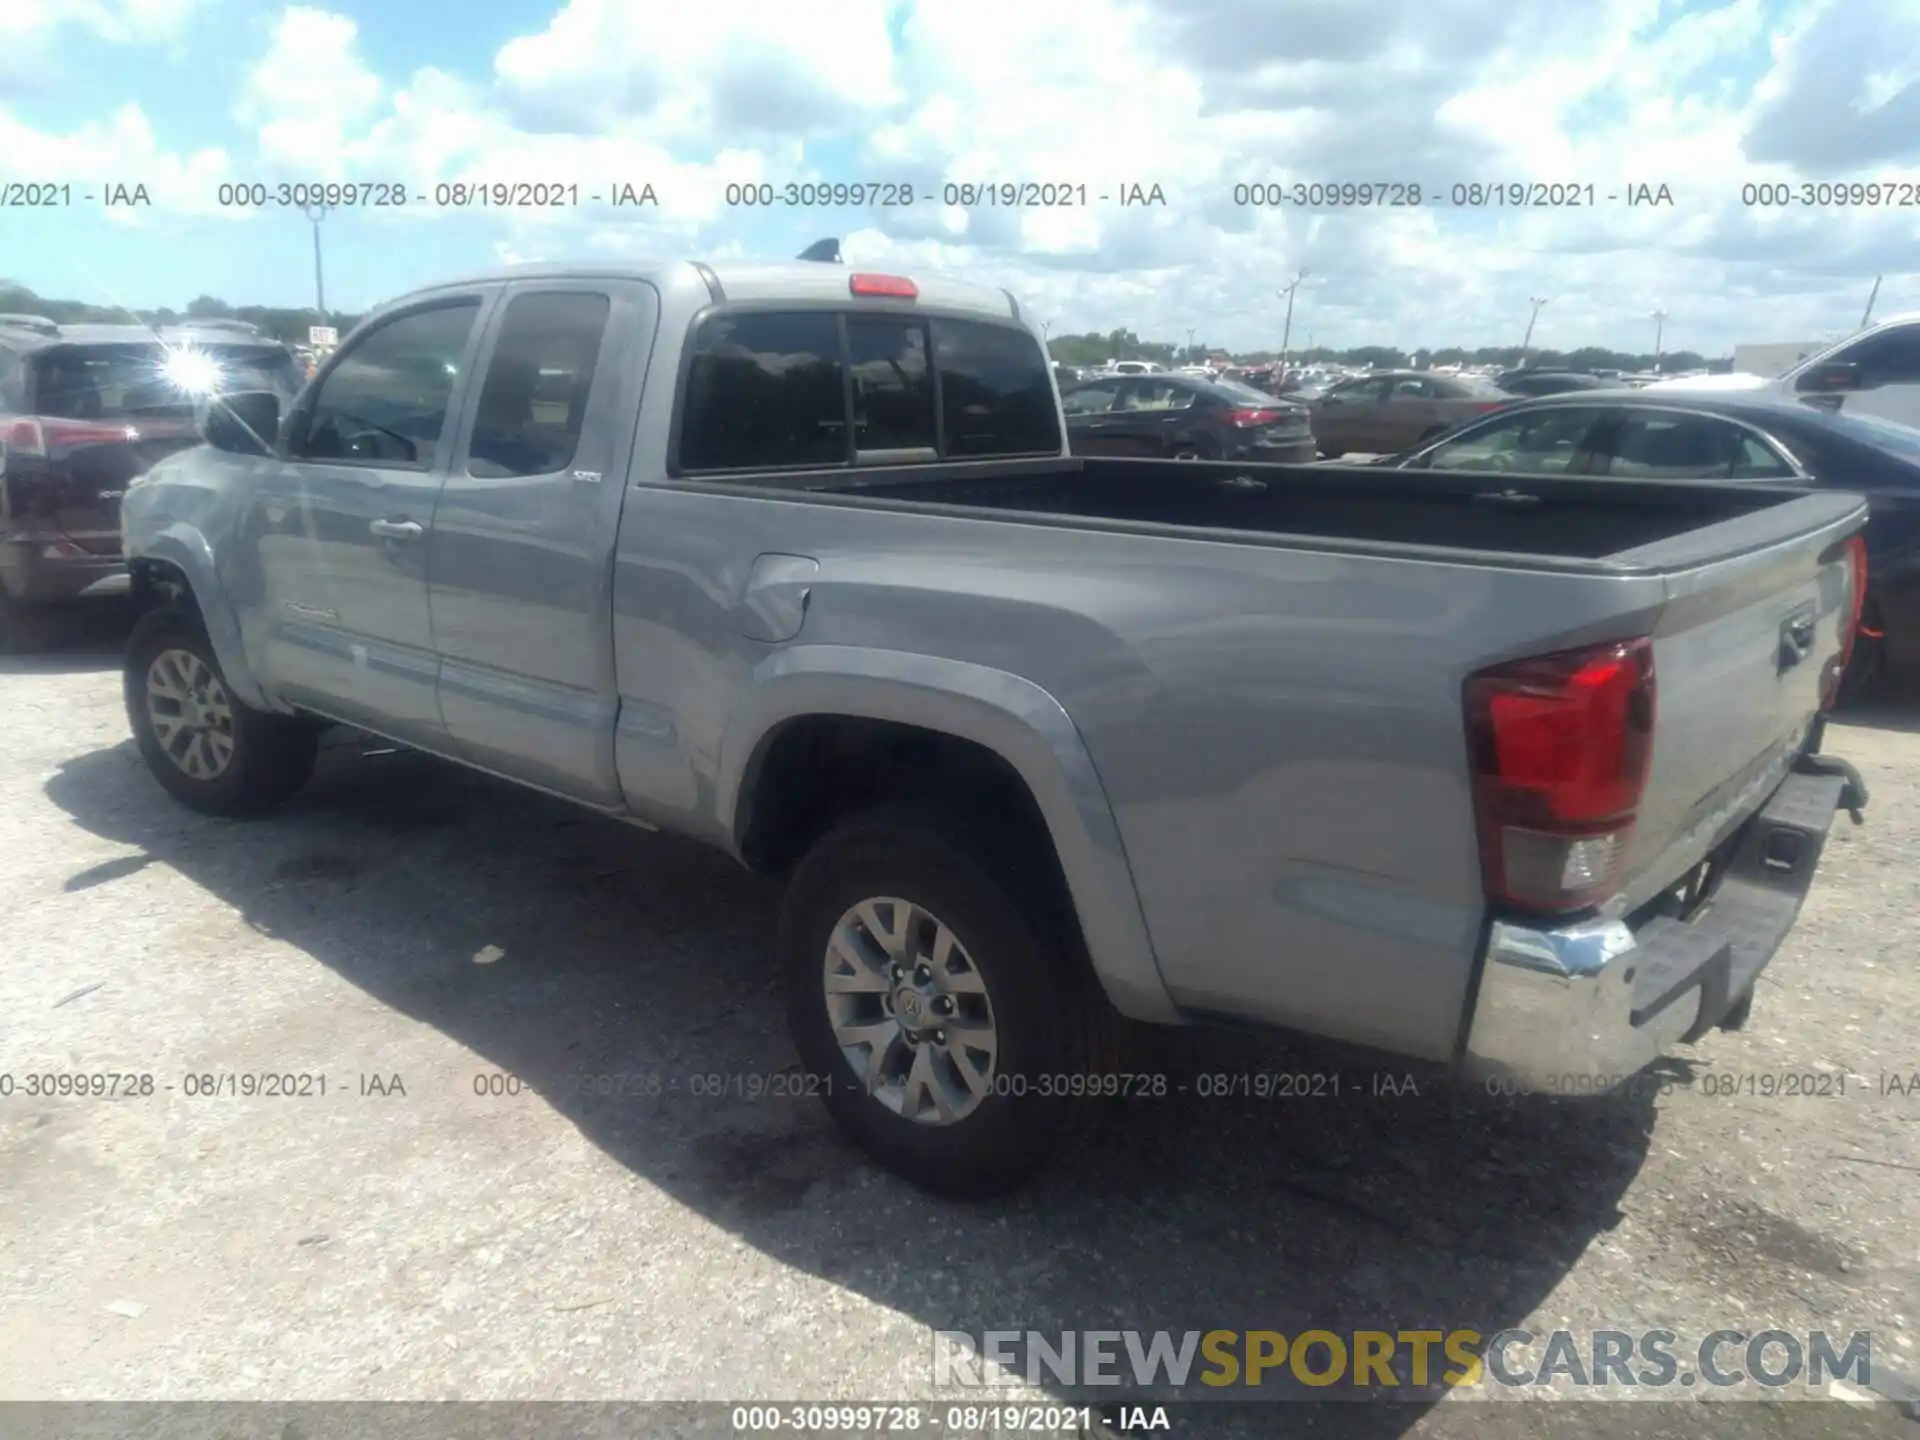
(1740, 651)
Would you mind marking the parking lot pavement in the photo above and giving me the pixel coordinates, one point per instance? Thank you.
(429, 943)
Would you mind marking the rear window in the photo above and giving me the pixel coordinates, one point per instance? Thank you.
(775, 390)
(996, 397)
(127, 382)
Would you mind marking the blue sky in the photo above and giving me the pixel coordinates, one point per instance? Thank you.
(1705, 96)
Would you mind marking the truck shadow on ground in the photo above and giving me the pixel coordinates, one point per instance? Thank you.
(1393, 1204)
(74, 640)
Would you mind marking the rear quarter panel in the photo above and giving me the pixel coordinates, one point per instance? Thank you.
(1278, 733)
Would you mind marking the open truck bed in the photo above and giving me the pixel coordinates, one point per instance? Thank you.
(1535, 519)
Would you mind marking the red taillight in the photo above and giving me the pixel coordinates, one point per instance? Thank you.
(896, 287)
(1561, 745)
(39, 436)
(1485, 405)
(1253, 417)
(1856, 550)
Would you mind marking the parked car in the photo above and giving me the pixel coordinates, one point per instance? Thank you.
(1134, 367)
(83, 410)
(1394, 410)
(1036, 740)
(1530, 382)
(1875, 373)
(1737, 437)
(1180, 417)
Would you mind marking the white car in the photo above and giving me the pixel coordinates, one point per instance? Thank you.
(1875, 373)
(1135, 367)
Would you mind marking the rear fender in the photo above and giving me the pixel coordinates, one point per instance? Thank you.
(1016, 720)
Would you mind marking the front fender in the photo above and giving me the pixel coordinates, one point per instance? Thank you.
(185, 549)
(1016, 720)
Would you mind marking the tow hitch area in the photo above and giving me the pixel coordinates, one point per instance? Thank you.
(1853, 795)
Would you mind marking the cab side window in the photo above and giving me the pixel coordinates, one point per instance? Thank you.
(765, 391)
(386, 401)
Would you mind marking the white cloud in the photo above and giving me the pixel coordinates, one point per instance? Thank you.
(786, 68)
(309, 92)
(1194, 98)
(131, 21)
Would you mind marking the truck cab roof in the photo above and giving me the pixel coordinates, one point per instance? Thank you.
(753, 281)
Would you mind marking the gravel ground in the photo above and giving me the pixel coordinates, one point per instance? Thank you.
(417, 936)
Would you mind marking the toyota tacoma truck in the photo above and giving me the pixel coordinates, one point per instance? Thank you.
(1520, 774)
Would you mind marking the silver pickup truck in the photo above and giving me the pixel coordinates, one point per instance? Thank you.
(1519, 774)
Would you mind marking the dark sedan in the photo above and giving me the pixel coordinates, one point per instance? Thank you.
(1731, 436)
(1532, 383)
(1184, 417)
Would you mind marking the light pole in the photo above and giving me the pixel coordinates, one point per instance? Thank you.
(1286, 333)
(1659, 332)
(1535, 301)
(1190, 344)
(316, 212)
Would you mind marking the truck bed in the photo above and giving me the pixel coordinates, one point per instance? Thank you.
(1551, 518)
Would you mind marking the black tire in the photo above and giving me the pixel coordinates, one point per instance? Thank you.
(1332, 454)
(1051, 1018)
(273, 755)
(1198, 449)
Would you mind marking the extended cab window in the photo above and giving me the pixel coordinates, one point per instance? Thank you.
(996, 396)
(386, 400)
(765, 392)
(534, 398)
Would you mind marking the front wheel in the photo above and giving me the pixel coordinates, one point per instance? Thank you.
(208, 750)
(940, 1025)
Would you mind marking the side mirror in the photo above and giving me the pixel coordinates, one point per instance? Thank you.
(1835, 377)
(243, 423)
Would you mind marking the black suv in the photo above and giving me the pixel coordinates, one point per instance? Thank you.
(84, 409)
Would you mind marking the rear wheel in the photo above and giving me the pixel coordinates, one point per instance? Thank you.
(208, 750)
(1193, 450)
(942, 1024)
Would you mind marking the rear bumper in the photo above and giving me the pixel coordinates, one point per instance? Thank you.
(31, 576)
(1586, 1006)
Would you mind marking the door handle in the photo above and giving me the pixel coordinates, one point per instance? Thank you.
(396, 529)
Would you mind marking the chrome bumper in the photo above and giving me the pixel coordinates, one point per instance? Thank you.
(1583, 1007)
